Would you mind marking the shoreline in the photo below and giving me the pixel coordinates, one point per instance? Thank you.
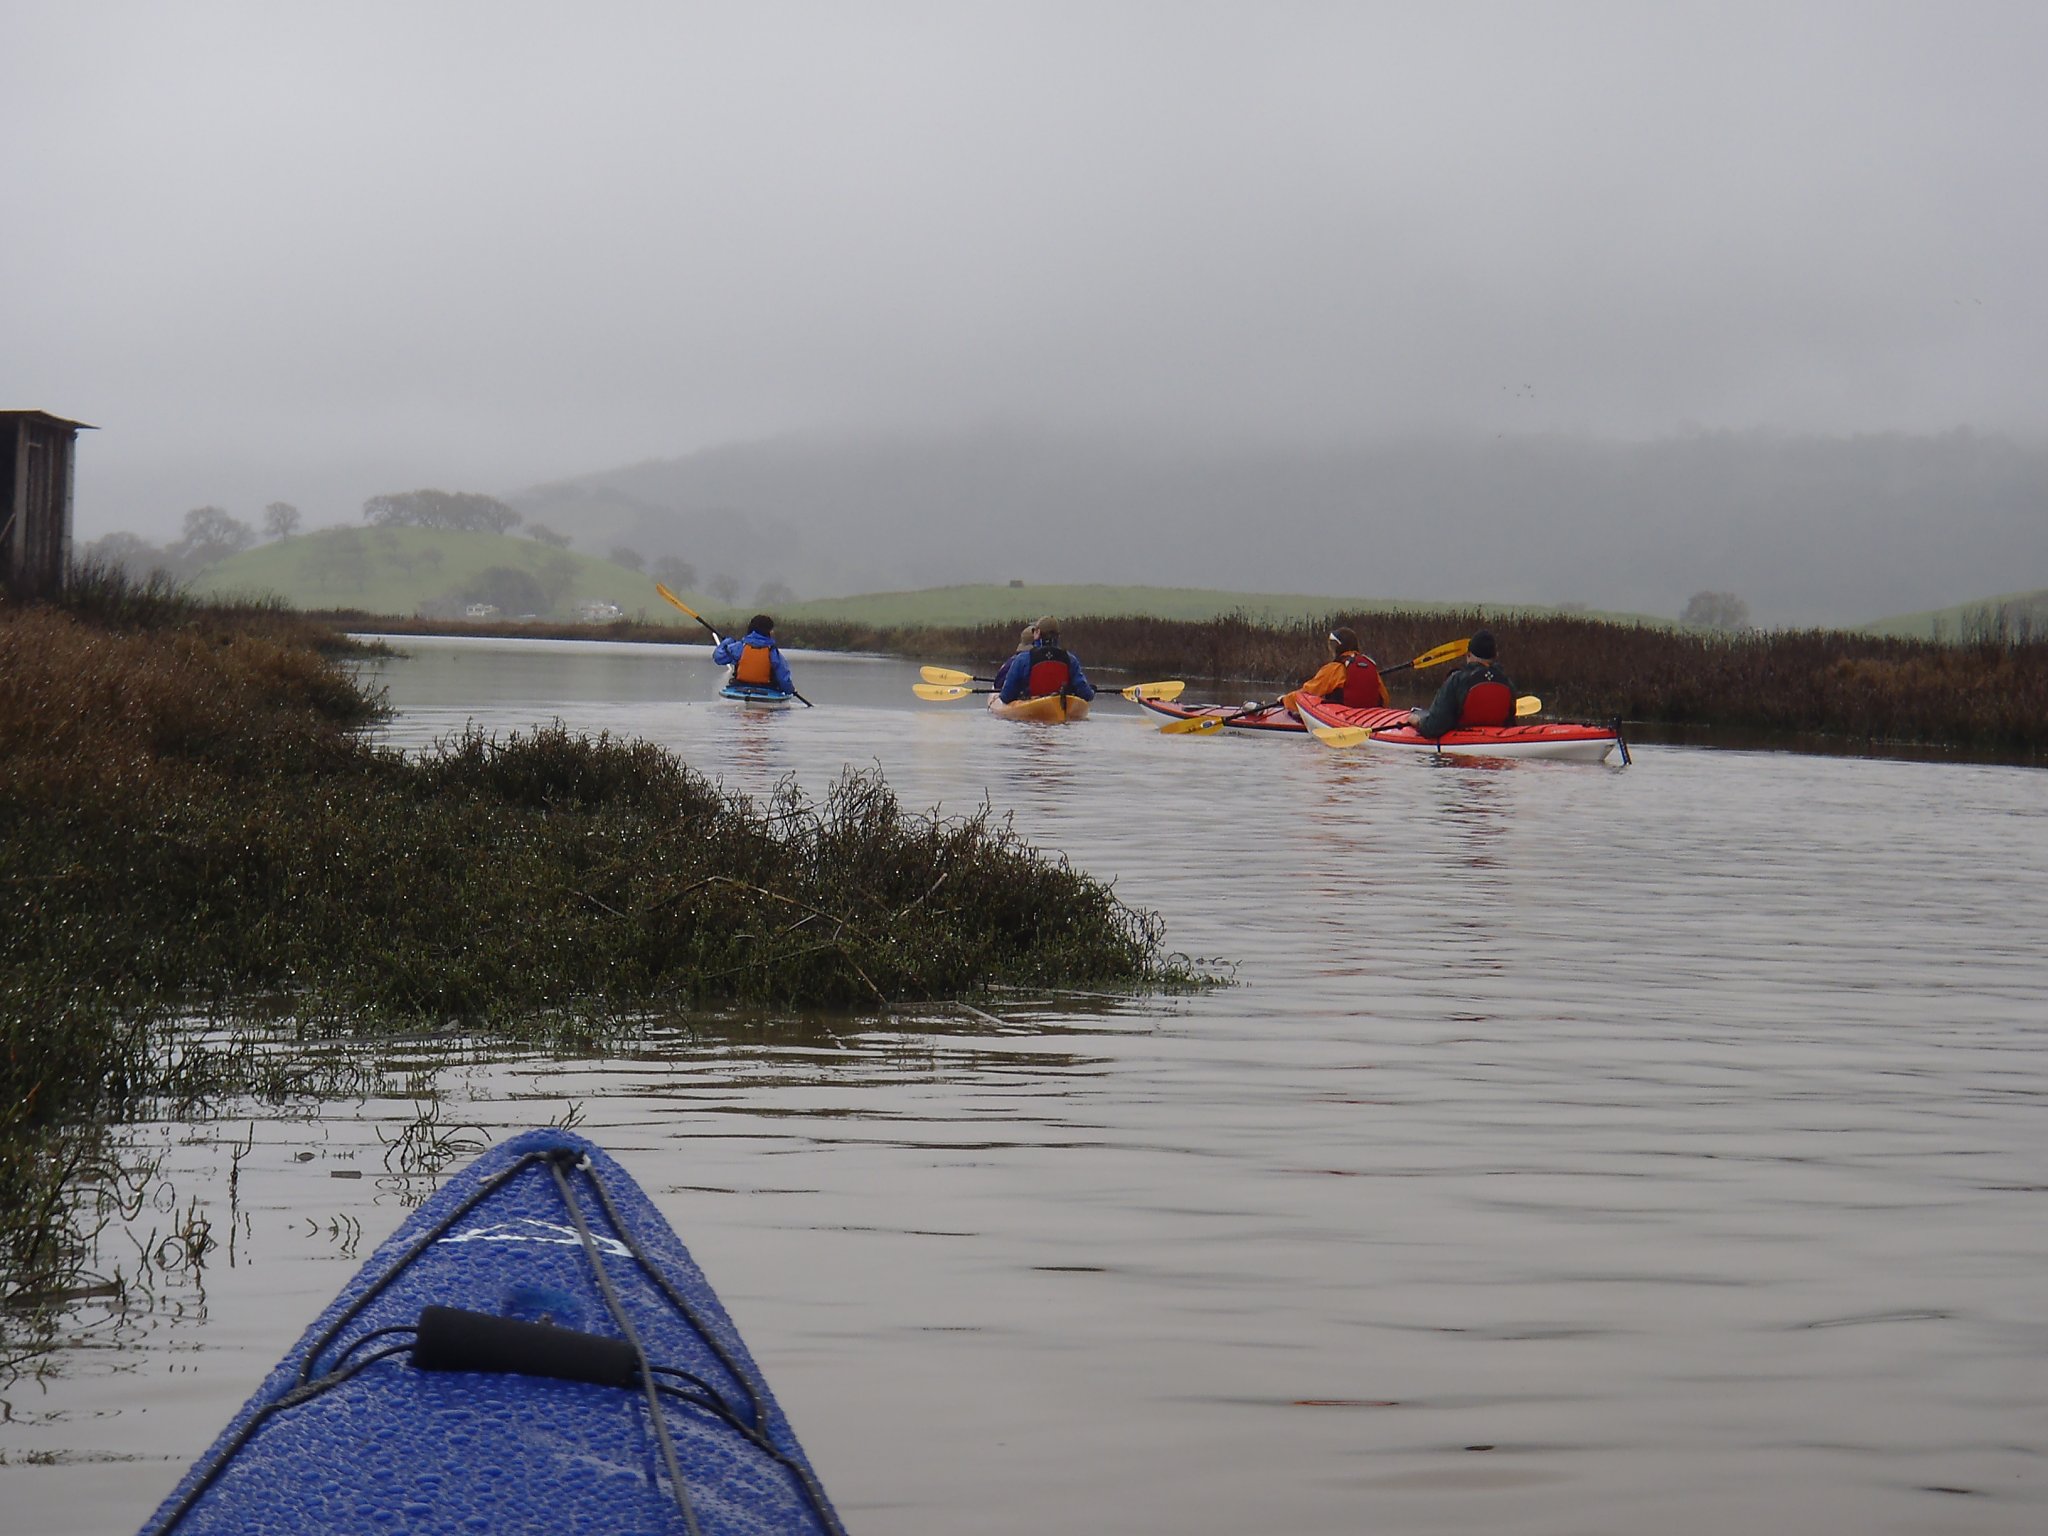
(1915, 700)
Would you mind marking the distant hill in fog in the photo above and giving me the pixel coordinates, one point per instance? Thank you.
(434, 573)
(2015, 615)
(1805, 530)
(1020, 602)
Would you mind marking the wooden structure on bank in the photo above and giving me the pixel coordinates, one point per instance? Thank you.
(35, 501)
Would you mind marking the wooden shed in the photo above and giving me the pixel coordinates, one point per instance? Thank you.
(35, 501)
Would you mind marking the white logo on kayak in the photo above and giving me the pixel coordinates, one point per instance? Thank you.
(529, 1230)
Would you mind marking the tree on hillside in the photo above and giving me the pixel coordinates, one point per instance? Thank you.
(1716, 610)
(128, 553)
(725, 587)
(773, 594)
(456, 511)
(511, 589)
(675, 571)
(543, 534)
(630, 558)
(335, 561)
(280, 519)
(557, 574)
(210, 536)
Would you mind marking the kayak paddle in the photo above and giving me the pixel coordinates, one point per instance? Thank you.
(948, 675)
(693, 613)
(1164, 692)
(1352, 735)
(1450, 650)
(939, 692)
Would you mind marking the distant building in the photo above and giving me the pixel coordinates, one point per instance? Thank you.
(35, 501)
(598, 611)
(481, 611)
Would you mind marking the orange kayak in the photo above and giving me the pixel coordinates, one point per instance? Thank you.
(1052, 708)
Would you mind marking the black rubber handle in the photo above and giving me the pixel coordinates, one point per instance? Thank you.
(451, 1339)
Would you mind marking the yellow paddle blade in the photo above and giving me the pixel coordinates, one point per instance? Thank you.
(1206, 725)
(944, 675)
(939, 692)
(678, 602)
(1528, 704)
(1165, 692)
(1449, 651)
(1340, 735)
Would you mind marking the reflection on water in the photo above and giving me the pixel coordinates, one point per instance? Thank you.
(1583, 1150)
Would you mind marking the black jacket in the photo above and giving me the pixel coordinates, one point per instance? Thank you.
(1449, 702)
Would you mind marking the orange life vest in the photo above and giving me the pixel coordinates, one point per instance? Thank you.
(756, 667)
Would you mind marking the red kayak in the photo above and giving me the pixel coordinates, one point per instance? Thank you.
(1271, 718)
(1390, 728)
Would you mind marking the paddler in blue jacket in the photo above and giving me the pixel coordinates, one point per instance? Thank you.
(756, 660)
(1044, 669)
(1027, 637)
(1477, 693)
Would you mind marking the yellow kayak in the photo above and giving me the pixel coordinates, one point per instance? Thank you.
(1052, 708)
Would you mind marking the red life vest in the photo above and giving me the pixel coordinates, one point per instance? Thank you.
(1362, 686)
(1049, 673)
(1487, 704)
(756, 667)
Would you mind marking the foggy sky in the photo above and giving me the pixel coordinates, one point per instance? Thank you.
(313, 253)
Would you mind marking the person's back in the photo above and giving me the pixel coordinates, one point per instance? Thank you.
(1476, 694)
(1045, 669)
(1027, 637)
(755, 659)
(1348, 677)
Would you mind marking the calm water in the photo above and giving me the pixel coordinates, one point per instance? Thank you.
(1581, 1151)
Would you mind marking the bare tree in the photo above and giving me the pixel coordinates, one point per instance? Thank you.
(674, 571)
(1716, 610)
(459, 511)
(129, 553)
(630, 558)
(541, 533)
(280, 519)
(773, 594)
(210, 536)
(725, 587)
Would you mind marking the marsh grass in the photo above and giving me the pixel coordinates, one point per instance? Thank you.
(1989, 695)
(191, 824)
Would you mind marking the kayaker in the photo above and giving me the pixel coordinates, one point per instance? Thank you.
(1044, 669)
(1477, 693)
(755, 659)
(1027, 637)
(1348, 677)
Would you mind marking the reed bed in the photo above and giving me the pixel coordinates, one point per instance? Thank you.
(192, 824)
(1988, 696)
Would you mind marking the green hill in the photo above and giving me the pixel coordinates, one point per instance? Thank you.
(972, 605)
(406, 572)
(2017, 615)
(433, 573)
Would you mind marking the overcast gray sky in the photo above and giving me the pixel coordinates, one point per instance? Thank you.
(312, 252)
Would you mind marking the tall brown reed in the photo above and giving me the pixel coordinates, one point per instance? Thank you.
(1991, 695)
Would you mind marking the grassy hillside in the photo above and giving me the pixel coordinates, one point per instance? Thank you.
(2016, 616)
(405, 571)
(973, 605)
